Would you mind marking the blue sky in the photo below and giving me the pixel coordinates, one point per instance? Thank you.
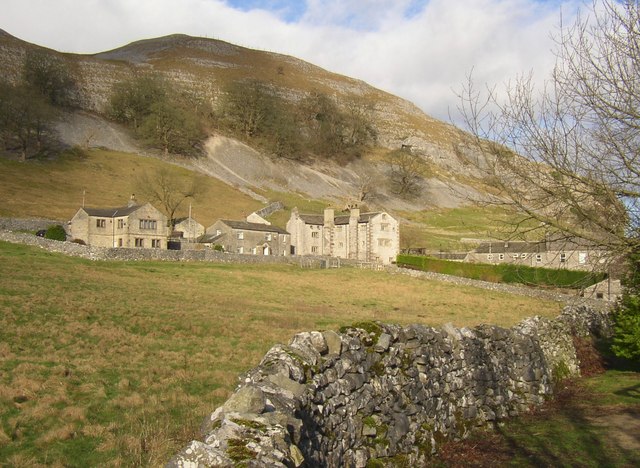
(421, 50)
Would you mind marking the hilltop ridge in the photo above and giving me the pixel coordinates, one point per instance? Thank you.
(204, 66)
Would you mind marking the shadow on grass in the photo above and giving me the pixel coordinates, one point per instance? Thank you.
(579, 427)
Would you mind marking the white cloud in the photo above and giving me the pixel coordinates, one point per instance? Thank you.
(417, 49)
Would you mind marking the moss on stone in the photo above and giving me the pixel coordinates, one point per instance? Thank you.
(238, 451)
(249, 423)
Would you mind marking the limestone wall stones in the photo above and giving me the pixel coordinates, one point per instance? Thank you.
(388, 393)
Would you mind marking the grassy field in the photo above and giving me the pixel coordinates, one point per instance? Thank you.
(457, 229)
(117, 364)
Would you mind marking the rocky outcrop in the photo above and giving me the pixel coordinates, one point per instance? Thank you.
(387, 394)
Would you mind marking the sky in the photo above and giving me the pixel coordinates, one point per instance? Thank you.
(421, 50)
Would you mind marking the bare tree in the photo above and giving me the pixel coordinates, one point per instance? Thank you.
(568, 155)
(406, 172)
(169, 190)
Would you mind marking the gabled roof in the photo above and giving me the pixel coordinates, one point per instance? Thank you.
(112, 212)
(247, 226)
(338, 220)
(186, 218)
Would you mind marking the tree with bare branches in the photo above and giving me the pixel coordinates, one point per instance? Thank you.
(169, 190)
(567, 154)
(406, 172)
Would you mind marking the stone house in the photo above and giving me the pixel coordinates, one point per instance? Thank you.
(131, 226)
(368, 237)
(246, 237)
(188, 229)
(566, 254)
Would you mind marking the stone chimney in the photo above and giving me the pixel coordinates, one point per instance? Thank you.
(354, 212)
(132, 200)
(329, 216)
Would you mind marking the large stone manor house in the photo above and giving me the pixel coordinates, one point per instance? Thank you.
(367, 237)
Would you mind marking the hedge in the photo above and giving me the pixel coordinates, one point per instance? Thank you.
(504, 273)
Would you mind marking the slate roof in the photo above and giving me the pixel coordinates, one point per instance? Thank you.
(247, 226)
(112, 212)
(337, 220)
(512, 247)
(534, 247)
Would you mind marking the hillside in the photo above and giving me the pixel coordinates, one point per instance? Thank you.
(204, 66)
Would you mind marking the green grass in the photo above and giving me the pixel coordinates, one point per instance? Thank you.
(458, 229)
(113, 363)
(591, 423)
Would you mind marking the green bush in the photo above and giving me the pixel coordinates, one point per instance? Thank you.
(56, 232)
(626, 316)
(505, 273)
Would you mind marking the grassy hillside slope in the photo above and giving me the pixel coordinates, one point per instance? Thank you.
(54, 188)
(117, 364)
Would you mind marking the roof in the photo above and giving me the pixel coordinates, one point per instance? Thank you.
(210, 238)
(533, 247)
(340, 219)
(112, 212)
(511, 247)
(247, 226)
(185, 218)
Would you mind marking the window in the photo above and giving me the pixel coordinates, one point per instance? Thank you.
(155, 243)
(268, 236)
(120, 242)
(240, 236)
(315, 234)
(523, 256)
(148, 224)
(538, 258)
(384, 216)
(384, 227)
(339, 228)
(100, 223)
(563, 257)
(139, 242)
(218, 232)
(314, 249)
(240, 250)
(489, 257)
(384, 242)
(254, 250)
(582, 258)
(500, 256)
(120, 223)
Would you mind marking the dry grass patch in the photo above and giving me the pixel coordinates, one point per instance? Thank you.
(133, 356)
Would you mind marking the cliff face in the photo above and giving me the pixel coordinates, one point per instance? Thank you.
(203, 66)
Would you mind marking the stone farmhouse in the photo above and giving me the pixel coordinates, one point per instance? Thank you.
(131, 226)
(188, 229)
(245, 237)
(567, 254)
(368, 237)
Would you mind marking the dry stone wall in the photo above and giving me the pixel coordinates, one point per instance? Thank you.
(133, 254)
(386, 395)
